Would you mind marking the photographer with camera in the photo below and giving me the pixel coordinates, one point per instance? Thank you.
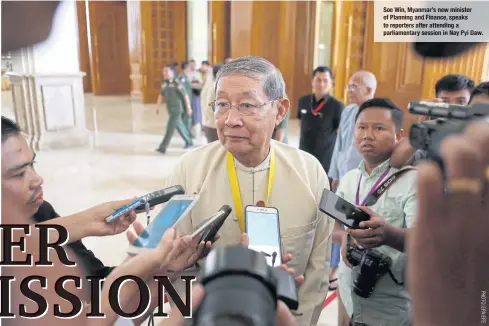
(480, 94)
(371, 279)
(450, 89)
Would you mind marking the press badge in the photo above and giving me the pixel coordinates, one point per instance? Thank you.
(303, 111)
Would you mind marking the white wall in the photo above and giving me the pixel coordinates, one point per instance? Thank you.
(59, 53)
(198, 30)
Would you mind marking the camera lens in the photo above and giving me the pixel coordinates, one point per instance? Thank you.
(240, 289)
(236, 300)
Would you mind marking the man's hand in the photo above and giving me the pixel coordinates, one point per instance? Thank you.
(145, 266)
(157, 110)
(189, 111)
(448, 248)
(377, 234)
(91, 222)
(191, 250)
(299, 280)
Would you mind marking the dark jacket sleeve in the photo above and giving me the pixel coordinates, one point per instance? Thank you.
(337, 118)
(91, 264)
(299, 108)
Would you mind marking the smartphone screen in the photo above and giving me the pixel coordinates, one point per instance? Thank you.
(340, 209)
(263, 229)
(168, 216)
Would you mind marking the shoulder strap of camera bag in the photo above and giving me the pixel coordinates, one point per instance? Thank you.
(382, 188)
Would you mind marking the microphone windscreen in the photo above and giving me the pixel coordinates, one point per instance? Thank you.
(226, 209)
(442, 49)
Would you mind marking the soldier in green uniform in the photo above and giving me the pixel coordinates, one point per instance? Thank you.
(177, 102)
(184, 80)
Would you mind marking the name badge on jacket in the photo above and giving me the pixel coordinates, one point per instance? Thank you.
(303, 111)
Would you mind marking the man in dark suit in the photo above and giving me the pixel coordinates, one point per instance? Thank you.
(320, 115)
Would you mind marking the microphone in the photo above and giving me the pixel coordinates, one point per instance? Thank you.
(225, 210)
(214, 223)
(159, 197)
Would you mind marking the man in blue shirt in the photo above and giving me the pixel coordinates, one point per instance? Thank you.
(360, 88)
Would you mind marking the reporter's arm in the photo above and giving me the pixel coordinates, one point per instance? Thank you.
(397, 237)
(76, 226)
(91, 222)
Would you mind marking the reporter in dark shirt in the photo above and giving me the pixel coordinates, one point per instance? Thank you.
(93, 266)
(22, 195)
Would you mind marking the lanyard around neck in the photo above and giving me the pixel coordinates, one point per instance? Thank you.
(357, 197)
(233, 180)
(320, 106)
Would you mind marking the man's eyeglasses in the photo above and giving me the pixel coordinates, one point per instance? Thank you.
(351, 87)
(222, 107)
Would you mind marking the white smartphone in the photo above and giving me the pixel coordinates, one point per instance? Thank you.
(172, 213)
(263, 228)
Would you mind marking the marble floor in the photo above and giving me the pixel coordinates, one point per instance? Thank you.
(120, 162)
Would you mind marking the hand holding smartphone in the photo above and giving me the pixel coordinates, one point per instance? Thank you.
(344, 212)
(263, 229)
(154, 198)
(174, 211)
(208, 229)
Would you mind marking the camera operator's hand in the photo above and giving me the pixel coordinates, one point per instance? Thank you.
(376, 235)
(448, 249)
(299, 280)
(284, 316)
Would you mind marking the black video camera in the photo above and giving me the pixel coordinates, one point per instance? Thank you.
(241, 289)
(373, 265)
(451, 119)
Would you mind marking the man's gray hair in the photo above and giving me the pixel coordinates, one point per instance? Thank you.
(259, 69)
(368, 80)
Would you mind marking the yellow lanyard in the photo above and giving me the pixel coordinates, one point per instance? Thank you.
(233, 180)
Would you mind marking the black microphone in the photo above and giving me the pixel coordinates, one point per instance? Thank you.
(225, 210)
(159, 197)
(219, 217)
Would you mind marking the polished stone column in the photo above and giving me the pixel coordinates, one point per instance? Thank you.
(198, 30)
(47, 87)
